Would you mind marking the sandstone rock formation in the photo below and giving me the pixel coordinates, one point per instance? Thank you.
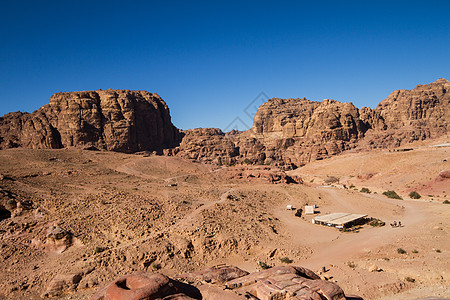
(282, 282)
(264, 174)
(58, 239)
(286, 132)
(292, 132)
(147, 286)
(62, 283)
(216, 274)
(116, 120)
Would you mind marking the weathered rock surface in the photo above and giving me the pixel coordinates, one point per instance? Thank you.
(58, 239)
(147, 286)
(292, 132)
(62, 283)
(286, 282)
(216, 274)
(285, 132)
(282, 282)
(265, 174)
(116, 120)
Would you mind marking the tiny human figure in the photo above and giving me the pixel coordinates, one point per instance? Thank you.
(395, 223)
(399, 224)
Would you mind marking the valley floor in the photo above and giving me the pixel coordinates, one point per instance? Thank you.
(129, 213)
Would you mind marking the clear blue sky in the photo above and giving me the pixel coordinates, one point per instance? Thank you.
(209, 59)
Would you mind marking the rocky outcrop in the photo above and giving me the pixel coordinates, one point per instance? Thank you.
(207, 145)
(282, 282)
(261, 174)
(58, 239)
(216, 274)
(147, 286)
(286, 282)
(292, 132)
(285, 133)
(116, 120)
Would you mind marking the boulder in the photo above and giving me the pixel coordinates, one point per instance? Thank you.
(58, 239)
(62, 283)
(217, 274)
(147, 286)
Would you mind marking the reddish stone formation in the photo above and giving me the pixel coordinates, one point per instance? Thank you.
(286, 132)
(264, 174)
(282, 282)
(286, 282)
(216, 274)
(116, 120)
(147, 286)
(292, 132)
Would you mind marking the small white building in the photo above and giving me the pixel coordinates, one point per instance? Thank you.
(289, 207)
(309, 209)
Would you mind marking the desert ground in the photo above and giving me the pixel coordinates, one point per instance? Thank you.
(124, 213)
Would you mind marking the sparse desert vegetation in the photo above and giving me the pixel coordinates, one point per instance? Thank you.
(392, 195)
(365, 190)
(414, 195)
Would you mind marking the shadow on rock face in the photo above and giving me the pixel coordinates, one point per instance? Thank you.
(147, 286)
(4, 213)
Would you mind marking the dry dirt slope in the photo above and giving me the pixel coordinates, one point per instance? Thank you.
(123, 217)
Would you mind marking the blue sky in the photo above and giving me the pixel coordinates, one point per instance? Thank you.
(210, 59)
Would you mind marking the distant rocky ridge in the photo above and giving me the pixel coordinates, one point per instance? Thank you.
(285, 132)
(292, 132)
(116, 120)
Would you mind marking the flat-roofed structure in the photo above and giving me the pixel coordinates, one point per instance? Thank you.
(309, 209)
(339, 220)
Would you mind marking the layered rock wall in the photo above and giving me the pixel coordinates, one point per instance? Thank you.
(116, 120)
(292, 132)
(285, 132)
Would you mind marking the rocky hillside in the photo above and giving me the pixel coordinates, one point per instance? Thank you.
(116, 120)
(285, 132)
(292, 132)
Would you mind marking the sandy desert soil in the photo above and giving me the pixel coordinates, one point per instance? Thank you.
(125, 213)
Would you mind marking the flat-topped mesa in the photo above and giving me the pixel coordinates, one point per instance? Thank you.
(116, 120)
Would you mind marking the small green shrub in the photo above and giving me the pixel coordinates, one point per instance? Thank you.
(446, 202)
(376, 222)
(365, 190)
(351, 186)
(414, 195)
(410, 279)
(263, 265)
(156, 266)
(99, 249)
(415, 251)
(351, 264)
(386, 258)
(438, 251)
(401, 251)
(392, 195)
(286, 260)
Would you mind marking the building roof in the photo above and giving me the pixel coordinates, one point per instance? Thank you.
(339, 218)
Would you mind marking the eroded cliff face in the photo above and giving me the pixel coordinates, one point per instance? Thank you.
(285, 132)
(292, 132)
(116, 120)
